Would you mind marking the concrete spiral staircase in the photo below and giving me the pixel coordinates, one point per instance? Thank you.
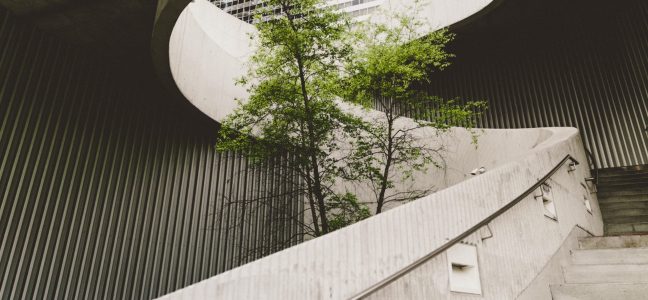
(603, 268)
(614, 266)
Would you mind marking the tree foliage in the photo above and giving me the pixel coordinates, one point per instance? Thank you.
(307, 61)
(293, 87)
(392, 64)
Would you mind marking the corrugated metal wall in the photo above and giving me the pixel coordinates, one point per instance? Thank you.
(108, 190)
(576, 63)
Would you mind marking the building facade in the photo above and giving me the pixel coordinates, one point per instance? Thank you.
(547, 64)
(244, 9)
(110, 188)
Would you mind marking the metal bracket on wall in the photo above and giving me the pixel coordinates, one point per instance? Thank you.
(486, 234)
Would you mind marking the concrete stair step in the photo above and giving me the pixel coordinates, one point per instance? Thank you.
(611, 181)
(626, 273)
(611, 242)
(624, 212)
(601, 291)
(624, 192)
(626, 228)
(610, 256)
(627, 198)
(636, 219)
(613, 174)
(616, 176)
(621, 187)
(624, 170)
(613, 206)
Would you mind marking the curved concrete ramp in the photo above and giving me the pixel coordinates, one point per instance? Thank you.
(199, 50)
(208, 50)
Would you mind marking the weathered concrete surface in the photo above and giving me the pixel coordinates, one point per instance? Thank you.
(552, 272)
(610, 256)
(338, 265)
(166, 15)
(601, 291)
(606, 242)
(601, 273)
(208, 49)
(606, 268)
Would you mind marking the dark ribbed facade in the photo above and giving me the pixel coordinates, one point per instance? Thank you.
(555, 63)
(111, 189)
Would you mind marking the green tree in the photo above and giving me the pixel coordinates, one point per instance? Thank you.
(392, 64)
(293, 84)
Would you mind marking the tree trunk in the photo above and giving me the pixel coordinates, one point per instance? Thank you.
(389, 153)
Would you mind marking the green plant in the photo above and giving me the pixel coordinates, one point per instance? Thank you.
(391, 64)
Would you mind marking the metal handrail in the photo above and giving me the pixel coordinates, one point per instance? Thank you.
(381, 284)
(593, 166)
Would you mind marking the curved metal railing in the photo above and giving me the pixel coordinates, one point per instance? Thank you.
(383, 283)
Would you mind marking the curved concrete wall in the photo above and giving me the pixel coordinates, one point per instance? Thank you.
(523, 239)
(207, 53)
(208, 48)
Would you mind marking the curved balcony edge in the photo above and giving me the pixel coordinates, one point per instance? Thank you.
(177, 19)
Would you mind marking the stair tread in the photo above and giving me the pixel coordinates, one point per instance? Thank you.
(625, 228)
(617, 241)
(612, 206)
(621, 187)
(607, 273)
(620, 180)
(627, 219)
(627, 198)
(610, 256)
(613, 175)
(622, 193)
(599, 291)
(606, 174)
(624, 170)
(634, 188)
(625, 212)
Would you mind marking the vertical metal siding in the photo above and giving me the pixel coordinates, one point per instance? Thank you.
(104, 194)
(582, 64)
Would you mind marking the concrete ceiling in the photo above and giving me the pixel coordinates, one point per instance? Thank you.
(115, 29)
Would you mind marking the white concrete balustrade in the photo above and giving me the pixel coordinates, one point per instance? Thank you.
(345, 262)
